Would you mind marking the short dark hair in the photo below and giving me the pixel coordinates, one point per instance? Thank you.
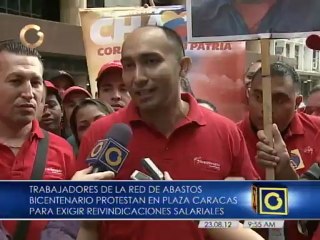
(282, 69)
(16, 47)
(315, 89)
(173, 36)
(105, 108)
(210, 104)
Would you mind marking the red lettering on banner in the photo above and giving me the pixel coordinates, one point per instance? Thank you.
(109, 51)
(209, 46)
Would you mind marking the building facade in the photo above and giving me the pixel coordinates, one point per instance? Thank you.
(62, 47)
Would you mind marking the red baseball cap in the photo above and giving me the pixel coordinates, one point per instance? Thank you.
(107, 67)
(49, 85)
(313, 42)
(53, 90)
(75, 89)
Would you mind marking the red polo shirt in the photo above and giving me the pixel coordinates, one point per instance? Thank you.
(302, 140)
(203, 146)
(316, 234)
(60, 166)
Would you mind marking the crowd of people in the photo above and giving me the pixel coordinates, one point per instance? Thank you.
(57, 123)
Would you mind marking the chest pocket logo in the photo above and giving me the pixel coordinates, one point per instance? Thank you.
(296, 159)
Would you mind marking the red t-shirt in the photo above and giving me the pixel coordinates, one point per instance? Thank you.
(60, 166)
(302, 140)
(203, 146)
(316, 234)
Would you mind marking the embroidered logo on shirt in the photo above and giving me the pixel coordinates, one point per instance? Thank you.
(207, 164)
(296, 159)
(53, 171)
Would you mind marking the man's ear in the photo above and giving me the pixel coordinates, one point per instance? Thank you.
(185, 64)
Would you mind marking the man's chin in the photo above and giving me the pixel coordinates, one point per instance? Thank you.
(23, 121)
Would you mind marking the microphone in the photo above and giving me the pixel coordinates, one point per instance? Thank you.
(313, 173)
(110, 153)
(153, 171)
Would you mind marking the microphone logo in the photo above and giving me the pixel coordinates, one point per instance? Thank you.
(108, 153)
(114, 162)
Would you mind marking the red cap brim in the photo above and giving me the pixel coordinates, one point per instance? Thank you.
(313, 42)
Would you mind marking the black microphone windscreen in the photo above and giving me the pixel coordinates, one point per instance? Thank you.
(121, 133)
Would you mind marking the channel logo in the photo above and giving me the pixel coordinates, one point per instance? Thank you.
(269, 200)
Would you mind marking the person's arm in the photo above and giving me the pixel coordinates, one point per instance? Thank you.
(239, 233)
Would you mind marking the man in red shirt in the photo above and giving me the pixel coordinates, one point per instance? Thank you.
(296, 135)
(313, 102)
(52, 115)
(21, 92)
(111, 89)
(181, 137)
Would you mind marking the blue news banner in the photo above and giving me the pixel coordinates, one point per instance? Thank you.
(159, 200)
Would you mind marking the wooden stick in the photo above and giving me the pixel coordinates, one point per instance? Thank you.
(267, 98)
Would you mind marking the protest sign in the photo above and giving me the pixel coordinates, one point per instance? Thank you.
(218, 68)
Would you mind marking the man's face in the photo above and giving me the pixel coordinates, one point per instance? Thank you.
(112, 89)
(313, 104)
(62, 83)
(51, 118)
(284, 101)
(151, 69)
(71, 101)
(21, 88)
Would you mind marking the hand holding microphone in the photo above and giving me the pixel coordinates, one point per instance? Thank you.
(87, 175)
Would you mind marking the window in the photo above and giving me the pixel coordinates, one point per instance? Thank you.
(279, 47)
(29, 8)
(3, 6)
(95, 3)
(297, 56)
(36, 8)
(25, 8)
(287, 50)
(315, 61)
(3, 3)
(13, 6)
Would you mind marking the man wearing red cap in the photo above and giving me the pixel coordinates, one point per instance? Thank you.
(72, 96)
(111, 89)
(52, 115)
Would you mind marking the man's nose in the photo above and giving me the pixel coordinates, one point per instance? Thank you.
(140, 77)
(27, 91)
(116, 95)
